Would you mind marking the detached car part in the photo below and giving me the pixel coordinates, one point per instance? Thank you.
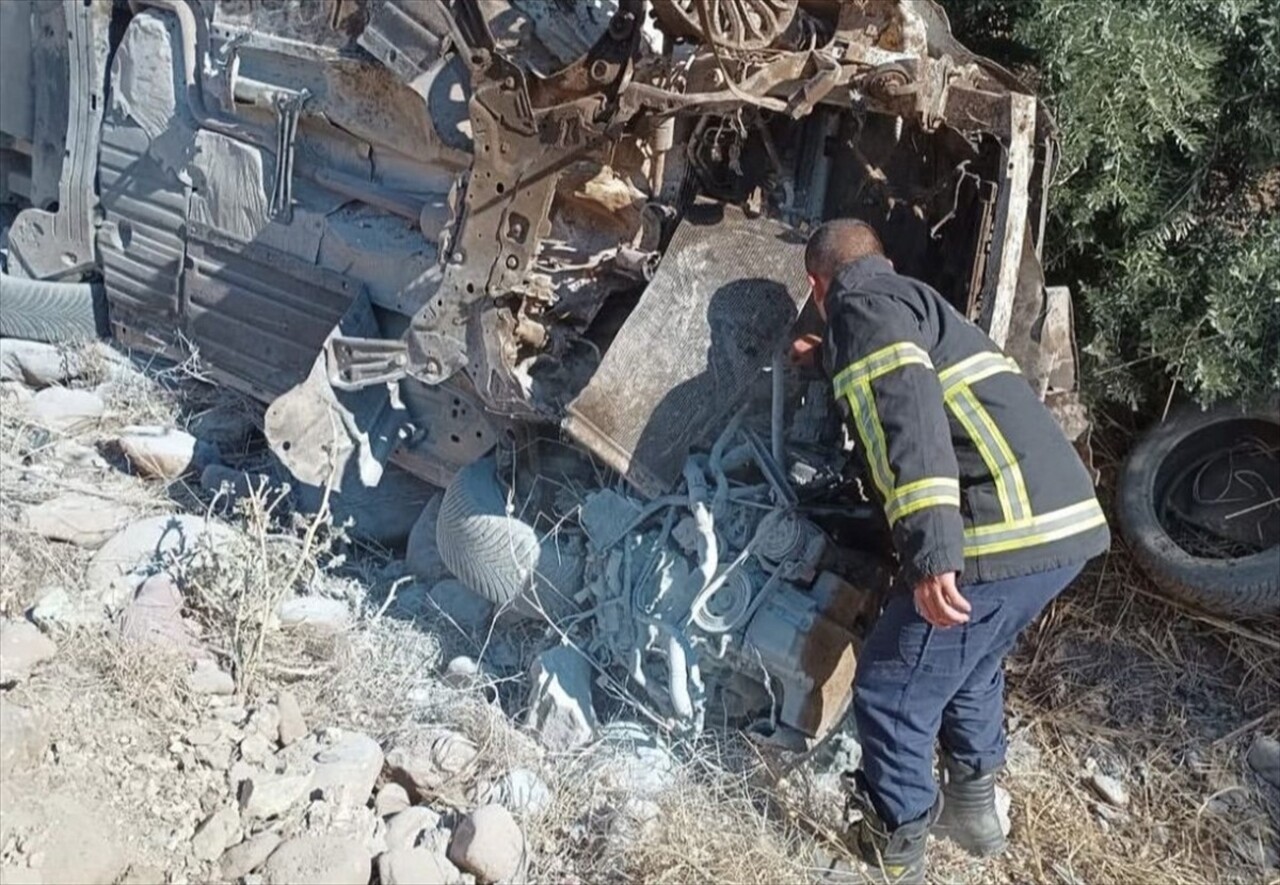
(1199, 504)
(418, 231)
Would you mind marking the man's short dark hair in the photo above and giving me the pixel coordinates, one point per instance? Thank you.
(838, 242)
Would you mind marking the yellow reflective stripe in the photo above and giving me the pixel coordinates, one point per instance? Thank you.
(983, 434)
(886, 359)
(922, 503)
(973, 369)
(1052, 526)
(1009, 462)
(862, 407)
(932, 491)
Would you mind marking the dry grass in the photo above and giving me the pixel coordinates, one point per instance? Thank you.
(1161, 699)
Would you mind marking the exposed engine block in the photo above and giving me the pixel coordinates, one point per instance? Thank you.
(720, 602)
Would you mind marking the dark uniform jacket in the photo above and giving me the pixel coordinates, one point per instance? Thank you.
(973, 472)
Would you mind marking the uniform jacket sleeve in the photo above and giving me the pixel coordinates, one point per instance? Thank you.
(877, 354)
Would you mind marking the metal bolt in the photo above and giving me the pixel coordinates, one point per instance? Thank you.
(432, 365)
(513, 262)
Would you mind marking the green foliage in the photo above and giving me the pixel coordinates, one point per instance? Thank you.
(1166, 207)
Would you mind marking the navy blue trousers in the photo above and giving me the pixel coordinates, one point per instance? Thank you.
(918, 683)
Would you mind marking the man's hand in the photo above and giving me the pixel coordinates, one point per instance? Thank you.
(804, 350)
(940, 603)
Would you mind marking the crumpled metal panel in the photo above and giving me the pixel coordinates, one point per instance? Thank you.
(724, 297)
(257, 313)
(319, 431)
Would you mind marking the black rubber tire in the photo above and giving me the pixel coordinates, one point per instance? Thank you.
(53, 312)
(498, 556)
(1244, 586)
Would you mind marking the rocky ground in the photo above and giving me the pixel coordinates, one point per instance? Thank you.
(207, 677)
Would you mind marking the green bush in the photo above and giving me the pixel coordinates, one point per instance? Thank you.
(1165, 216)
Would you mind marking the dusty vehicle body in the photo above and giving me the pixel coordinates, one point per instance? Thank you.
(420, 230)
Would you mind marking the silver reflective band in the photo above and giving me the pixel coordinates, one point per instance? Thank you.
(1051, 526)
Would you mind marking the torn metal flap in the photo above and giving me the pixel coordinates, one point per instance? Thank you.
(315, 429)
(721, 302)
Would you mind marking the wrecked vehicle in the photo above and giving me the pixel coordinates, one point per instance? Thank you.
(546, 255)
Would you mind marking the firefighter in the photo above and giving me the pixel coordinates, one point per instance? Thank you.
(992, 515)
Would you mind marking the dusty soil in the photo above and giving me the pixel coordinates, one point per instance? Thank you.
(123, 766)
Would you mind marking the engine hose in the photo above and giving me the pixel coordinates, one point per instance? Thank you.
(777, 406)
(708, 549)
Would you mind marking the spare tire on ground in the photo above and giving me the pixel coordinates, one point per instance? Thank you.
(499, 556)
(1199, 503)
(54, 312)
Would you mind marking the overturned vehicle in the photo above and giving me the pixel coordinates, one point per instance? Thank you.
(546, 255)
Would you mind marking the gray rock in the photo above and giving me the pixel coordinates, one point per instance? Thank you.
(521, 791)
(154, 619)
(421, 553)
(464, 673)
(206, 678)
(452, 600)
(488, 843)
(1004, 803)
(137, 550)
(79, 840)
(255, 749)
(266, 721)
(68, 453)
(36, 363)
(347, 768)
(15, 394)
(391, 799)
(15, 875)
(163, 452)
(432, 763)
(292, 727)
(633, 761)
(560, 710)
(1023, 756)
(224, 424)
(1109, 789)
(141, 874)
(408, 828)
(314, 859)
(217, 832)
(22, 648)
(270, 795)
(241, 860)
(22, 739)
(415, 866)
(65, 411)
(204, 735)
(59, 611)
(1264, 758)
(77, 518)
(317, 613)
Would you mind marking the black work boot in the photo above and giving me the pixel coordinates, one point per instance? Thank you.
(895, 856)
(969, 815)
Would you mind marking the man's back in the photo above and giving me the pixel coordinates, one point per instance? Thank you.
(897, 352)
